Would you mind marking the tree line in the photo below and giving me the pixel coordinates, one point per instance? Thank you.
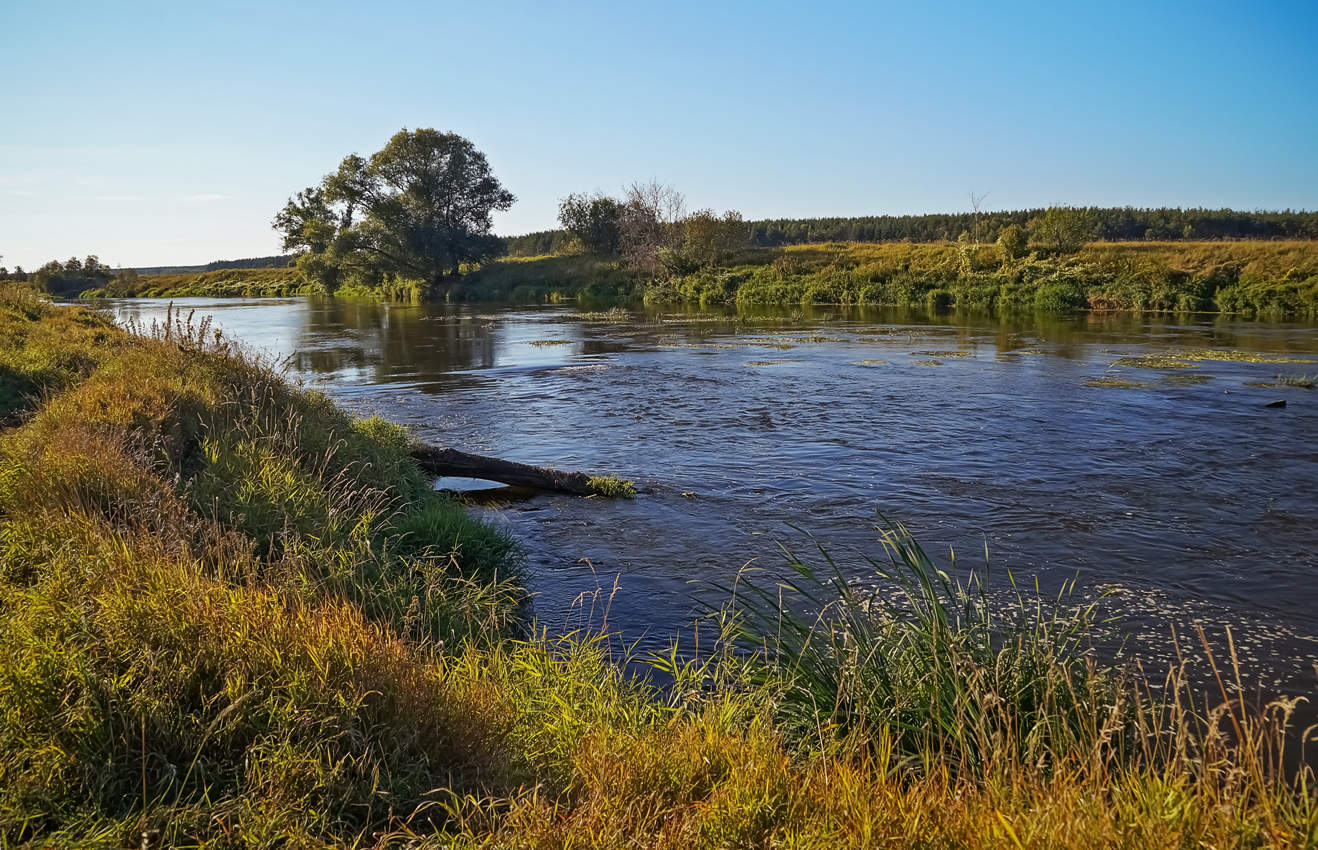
(72, 276)
(1112, 224)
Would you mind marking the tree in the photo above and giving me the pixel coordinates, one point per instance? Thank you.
(125, 283)
(595, 220)
(651, 215)
(418, 209)
(976, 201)
(1063, 230)
(708, 238)
(965, 249)
(1013, 242)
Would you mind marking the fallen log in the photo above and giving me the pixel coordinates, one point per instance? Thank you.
(442, 462)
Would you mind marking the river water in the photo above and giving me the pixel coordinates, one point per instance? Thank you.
(1185, 498)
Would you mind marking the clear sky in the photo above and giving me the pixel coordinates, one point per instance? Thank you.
(170, 133)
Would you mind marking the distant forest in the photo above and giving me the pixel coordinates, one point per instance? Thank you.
(1114, 224)
(278, 261)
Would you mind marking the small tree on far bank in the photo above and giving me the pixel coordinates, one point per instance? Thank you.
(709, 239)
(1063, 230)
(649, 225)
(1014, 243)
(595, 221)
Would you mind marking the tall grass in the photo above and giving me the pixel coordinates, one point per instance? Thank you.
(944, 673)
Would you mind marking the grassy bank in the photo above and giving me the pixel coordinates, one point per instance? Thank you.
(1264, 278)
(1253, 278)
(222, 283)
(232, 616)
(552, 277)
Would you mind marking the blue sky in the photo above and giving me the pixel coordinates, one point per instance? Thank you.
(170, 133)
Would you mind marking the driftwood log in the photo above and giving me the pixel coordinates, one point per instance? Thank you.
(441, 462)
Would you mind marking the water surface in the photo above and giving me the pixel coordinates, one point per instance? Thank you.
(1185, 497)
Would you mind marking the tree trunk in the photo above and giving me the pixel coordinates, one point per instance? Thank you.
(441, 462)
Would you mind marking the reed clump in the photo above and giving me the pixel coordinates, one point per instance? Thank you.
(231, 615)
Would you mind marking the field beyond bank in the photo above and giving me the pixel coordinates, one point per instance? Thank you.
(235, 616)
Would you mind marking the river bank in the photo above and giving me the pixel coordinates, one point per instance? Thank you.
(1276, 278)
(285, 635)
(1249, 278)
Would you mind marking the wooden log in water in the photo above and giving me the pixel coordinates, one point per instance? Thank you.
(442, 462)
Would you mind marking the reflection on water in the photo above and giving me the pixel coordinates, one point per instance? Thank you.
(1186, 498)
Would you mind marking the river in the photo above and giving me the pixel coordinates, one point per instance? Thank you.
(1178, 492)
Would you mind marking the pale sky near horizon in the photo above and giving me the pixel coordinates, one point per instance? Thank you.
(170, 133)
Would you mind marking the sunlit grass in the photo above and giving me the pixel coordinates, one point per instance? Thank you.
(1259, 278)
(612, 487)
(1117, 382)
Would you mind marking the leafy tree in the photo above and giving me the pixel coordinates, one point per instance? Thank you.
(417, 209)
(965, 249)
(709, 238)
(70, 277)
(1063, 230)
(125, 283)
(1014, 242)
(595, 220)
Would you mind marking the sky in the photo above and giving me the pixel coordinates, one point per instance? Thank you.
(170, 133)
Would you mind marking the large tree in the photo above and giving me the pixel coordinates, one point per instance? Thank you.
(418, 209)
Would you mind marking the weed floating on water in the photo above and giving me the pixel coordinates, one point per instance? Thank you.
(1118, 383)
(612, 487)
(945, 353)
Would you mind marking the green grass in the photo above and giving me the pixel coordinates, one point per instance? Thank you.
(1118, 383)
(612, 487)
(224, 283)
(550, 278)
(1255, 278)
(233, 616)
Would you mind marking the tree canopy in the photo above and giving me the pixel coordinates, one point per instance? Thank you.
(418, 209)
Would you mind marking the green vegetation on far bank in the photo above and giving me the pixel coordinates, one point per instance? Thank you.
(1276, 278)
(233, 616)
(222, 283)
(1260, 278)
